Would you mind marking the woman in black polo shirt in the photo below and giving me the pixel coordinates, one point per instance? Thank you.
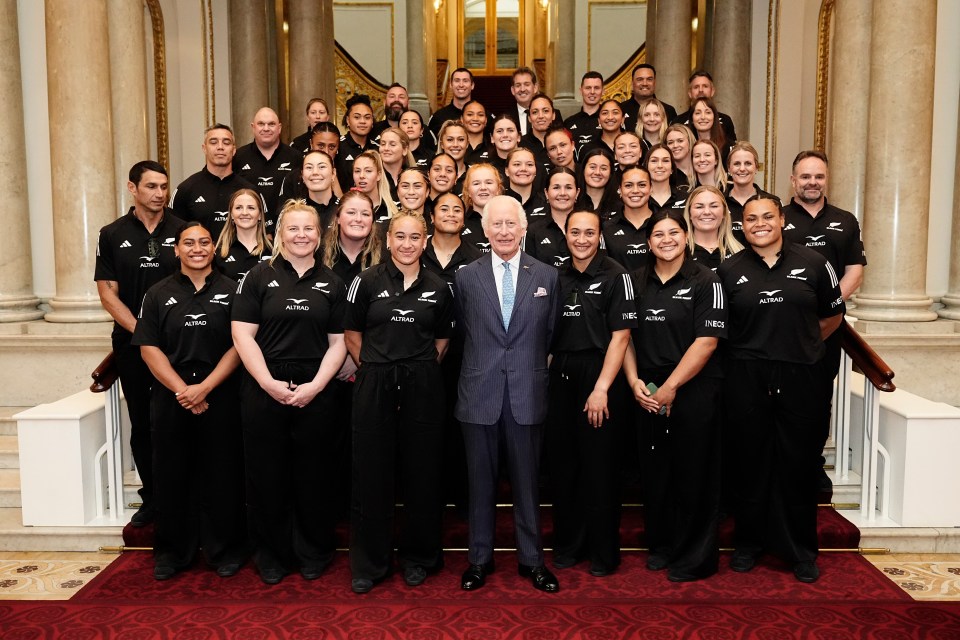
(288, 330)
(590, 337)
(184, 336)
(625, 235)
(398, 323)
(742, 163)
(318, 175)
(710, 240)
(706, 164)
(521, 183)
(243, 242)
(784, 301)
(421, 140)
(412, 191)
(598, 183)
(674, 373)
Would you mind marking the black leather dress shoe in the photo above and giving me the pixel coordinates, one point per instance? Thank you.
(743, 561)
(541, 578)
(475, 576)
(272, 575)
(144, 515)
(598, 570)
(806, 572)
(564, 562)
(163, 572)
(229, 569)
(657, 562)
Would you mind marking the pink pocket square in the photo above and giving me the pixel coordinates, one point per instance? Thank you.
(540, 292)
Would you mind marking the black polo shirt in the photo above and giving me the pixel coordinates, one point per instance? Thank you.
(535, 207)
(206, 198)
(672, 314)
(736, 212)
(473, 231)
(833, 233)
(124, 256)
(441, 115)
(294, 314)
(546, 242)
(596, 302)
(423, 153)
(191, 327)
(399, 325)
(239, 261)
(626, 243)
(584, 127)
(532, 142)
(345, 269)
(464, 255)
(302, 142)
(478, 154)
(677, 201)
(631, 108)
(775, 311)
(710, 259)
(268, 176)
(346, 154)
(327, 212)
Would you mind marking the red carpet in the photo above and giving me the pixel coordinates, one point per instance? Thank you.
(851, 600)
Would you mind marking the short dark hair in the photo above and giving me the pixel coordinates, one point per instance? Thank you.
(594, 75)
(189, 225)
(700, 73)
(462, 70)
(217, 125)
(542, 96)
(524, 71)
(137, 170)
(395, 85)
(810, 153)
(324, 127)
(643, 65)
(666, 213)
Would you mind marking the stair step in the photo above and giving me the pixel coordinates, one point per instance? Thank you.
(16, 537)
(9, 488)
(8, 426)
(9, 452)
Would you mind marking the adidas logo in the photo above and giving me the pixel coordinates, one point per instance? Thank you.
(230, 259)
(572, 127)
(245, 167)
(742, 280)
(200, 199)
(384, 294)
(349, 157)
(465, 232)
(789, 227)
(273, 283)
(170, 302)
(619, 233)
(545, 241)
(125, 244)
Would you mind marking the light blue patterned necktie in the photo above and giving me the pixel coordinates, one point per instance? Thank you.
(508, 295)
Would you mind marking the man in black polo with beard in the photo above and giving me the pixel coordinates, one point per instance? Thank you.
(205, 196)
(133, 253)
(268, 163)
(395, 103)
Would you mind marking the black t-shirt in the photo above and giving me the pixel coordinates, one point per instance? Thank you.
(191, 327)
(833, 233)
(546, 242)
(136, 260)
(206, 198)
(294, 314)
(399, 324)
(736, 212)
(626, 243)
(672, 314)
(596, 302)
(775, 311)
(239, 261)
(269, 177)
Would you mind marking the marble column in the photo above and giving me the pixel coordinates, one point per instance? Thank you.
(672, 48)
(848, 103)
(249, 59)
(651, 35)
(731, 45)
(951, 301)
(416, 56)
(564, 70)
(17, 302)
(81, 155)
(896, 207)
(311, 58)
(128, 89)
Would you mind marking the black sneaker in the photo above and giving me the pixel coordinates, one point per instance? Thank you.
(145, 515)
(806, 572)
(742, 561)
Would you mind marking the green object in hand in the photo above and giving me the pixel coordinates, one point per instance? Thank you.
(652, 388)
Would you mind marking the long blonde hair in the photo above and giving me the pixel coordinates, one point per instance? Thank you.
(229, 232)
(719, 174)
(726, 241)
(664, 124)
(686, 133)
(408, 159)
(372, 246)
(383, 184)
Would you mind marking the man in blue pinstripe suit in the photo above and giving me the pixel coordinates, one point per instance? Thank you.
(507, 304)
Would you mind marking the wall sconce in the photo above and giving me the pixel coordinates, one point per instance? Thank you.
(436, 5)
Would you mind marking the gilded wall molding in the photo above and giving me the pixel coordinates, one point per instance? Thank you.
(160, 81)
(824, 25)
(619, 86)
(352, 79)
(773, 66)
(209, 77)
